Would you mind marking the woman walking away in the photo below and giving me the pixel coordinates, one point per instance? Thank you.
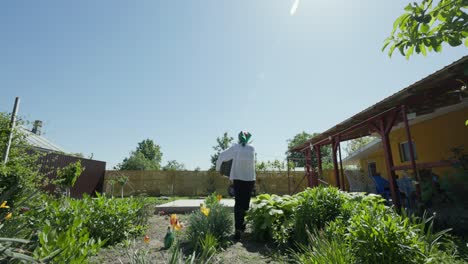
(243, 175)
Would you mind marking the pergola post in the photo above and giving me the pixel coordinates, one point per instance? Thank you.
(309, 167)
(335, 162)
(319, 159)
(383, 128)
(411, 150)
(343, 185)
(289, 175)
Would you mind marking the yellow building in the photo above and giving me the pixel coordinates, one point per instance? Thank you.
(431, 113)
(434, 136)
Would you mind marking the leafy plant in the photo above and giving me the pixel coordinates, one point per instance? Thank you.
(208, 246)
(324, 250)
(217, 222)
(110, 220)
(74, 243)
(67, 176)
(122, 180)
(136, 255)
(424, 27)
(316, 208)
(271, 217)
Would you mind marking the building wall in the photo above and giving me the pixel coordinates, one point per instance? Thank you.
(434, 140)
(197, 183)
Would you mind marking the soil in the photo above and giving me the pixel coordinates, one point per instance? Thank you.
(243, 251)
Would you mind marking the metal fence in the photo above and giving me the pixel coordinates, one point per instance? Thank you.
(90, 181)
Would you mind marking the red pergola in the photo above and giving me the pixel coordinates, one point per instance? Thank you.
(443, 88)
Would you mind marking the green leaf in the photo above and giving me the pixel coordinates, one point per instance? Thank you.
(401, 48)
(466, 42)
(392, 48)
(466, 123)
(454, 42)
(423, 49)
(17, 240)
(386, 43)
(398, 21)
(424, 28)
(409, 52)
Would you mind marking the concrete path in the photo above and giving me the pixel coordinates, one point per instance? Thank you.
(188, 205)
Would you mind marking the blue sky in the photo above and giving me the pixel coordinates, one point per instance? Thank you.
(104, 75)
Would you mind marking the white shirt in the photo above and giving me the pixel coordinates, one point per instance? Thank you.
(243, 162)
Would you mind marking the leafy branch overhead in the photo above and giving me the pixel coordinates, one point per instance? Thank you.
(425, 27)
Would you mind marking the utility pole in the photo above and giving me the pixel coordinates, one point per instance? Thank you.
(12, 127)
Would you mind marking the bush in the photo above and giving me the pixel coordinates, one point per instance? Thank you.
(107, 219)
(271, 217)
(316, 208)
(74, 243)
(378, 234)
(324, 250)
(218, 223)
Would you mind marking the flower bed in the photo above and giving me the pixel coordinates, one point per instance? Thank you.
(324, 225)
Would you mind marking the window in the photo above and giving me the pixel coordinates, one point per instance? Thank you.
(372, 169)
(405, 151)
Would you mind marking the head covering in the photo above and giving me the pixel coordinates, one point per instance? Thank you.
(244, 137)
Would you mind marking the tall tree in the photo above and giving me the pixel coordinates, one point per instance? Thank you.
(299, 158)
(147, 156)
(222, 143)
(174, 165)
(357, 143)
(424, 27)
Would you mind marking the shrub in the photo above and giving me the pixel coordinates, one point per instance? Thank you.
(316, 208)
(218, 222)
(108, 219)
(324, 250)
(74, 243)
(271, 217)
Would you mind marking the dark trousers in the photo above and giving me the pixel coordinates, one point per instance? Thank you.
(242, 192)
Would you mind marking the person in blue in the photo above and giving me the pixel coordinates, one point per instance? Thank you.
(242, 174)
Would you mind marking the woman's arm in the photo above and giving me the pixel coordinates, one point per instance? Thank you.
(225, 156)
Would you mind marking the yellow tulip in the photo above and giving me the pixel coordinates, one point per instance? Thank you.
(8, 216)
(219, 197)
(3, 205)
(178, 226)
(173, 219)
(205, 211)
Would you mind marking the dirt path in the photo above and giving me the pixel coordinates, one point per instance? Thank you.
(244, 251)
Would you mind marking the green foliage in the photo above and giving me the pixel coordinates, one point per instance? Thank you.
(271, 217)
(122, 180)
(330, 226)
(136, 255)
(67, 176)
(74, 243)
(323, 250)
(316, 208)
(298, 158)
(173, 165)
(218, 223)
(424, 27)
(222, 143)
(147, 156)
(21, 173)
(16, 238)
(208, 246)
(107, 219)
(378, 234)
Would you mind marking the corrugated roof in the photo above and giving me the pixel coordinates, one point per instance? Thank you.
(434, 91)
(39, 141)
